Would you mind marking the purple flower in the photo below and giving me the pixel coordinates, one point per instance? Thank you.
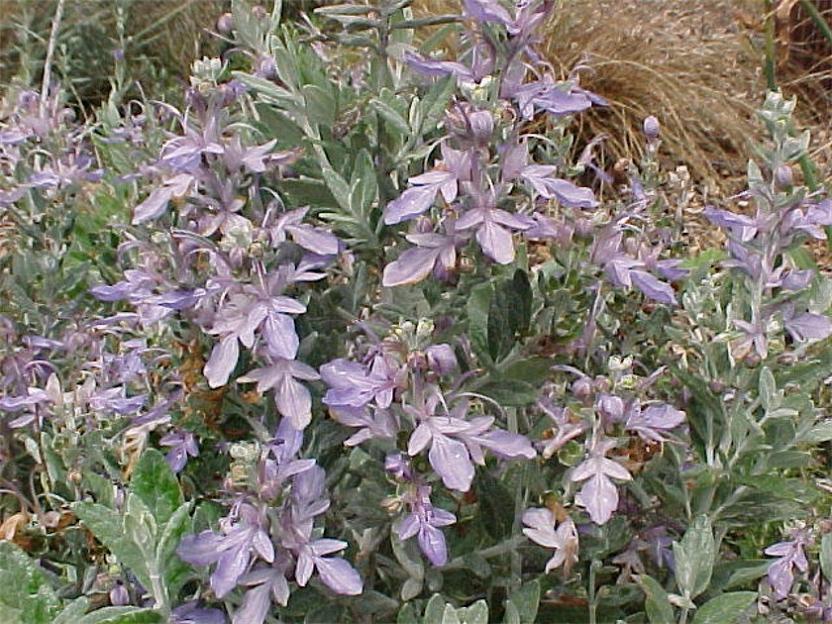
(314, 239)
(649, 423)
(540, 528)
(494, 228)
(503, 444)
(371, 423)
(433, 253)
(441, 359)
(455, 443)
(610, 407)
(239, 318)
(445, 177)
(424, 521)
(265, 584)
(781, 571)
(181, 444)
(156, 203)
(599, 495)
(808, 326)
(754, 336)
(230, 550)
(291, 397)
(353, 385)
(545, 95)
(335, 572)
(544, 185)
(119, 596)
(437, 69)
(192, 613)
(484, 11)
(653, 288)
(564, 430)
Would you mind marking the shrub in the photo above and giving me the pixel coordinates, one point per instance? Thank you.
(350, 338)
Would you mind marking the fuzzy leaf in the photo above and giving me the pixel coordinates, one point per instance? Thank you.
(154, 482)
(725, 608)
(656, 603)
(25, 594)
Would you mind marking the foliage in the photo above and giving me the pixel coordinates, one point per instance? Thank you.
(350, 338)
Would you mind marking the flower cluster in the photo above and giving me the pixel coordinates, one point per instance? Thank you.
(400, 387)
(269, 537)
(488, 185)
(759, 245)
(228, 260)
(609, 411)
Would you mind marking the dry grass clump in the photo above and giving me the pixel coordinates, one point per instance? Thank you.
(163, 38)
(688, 63)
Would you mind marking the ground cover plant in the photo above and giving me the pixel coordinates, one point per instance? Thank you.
(361, 333)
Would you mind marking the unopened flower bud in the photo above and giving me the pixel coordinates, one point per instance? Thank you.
(716, 386)
(783, 177)
(225, 24)
(752, 360)
(266, 67)
(118, 595)
(259, 12)
(441, 359)
(651, 128)
(601, 384)
(582, 388)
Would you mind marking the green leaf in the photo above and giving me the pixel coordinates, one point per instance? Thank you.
(768, 390)
(477, 309)
(154, 482)
(321, 106)
(724, 609)
(821, 432)
(694, 557)
(73, 612)
(391, 116)
(122, 615)
(25, 594)
(496, 505)
(407, 615)
(435, 610)
(436, 102)
(270, 90)
(363, 184)
(500, 330)
(449, 615)
(656, 604)
(526, 600)
(108, 528)
(337, 185)
(512, 615)
(476, 613)
(175, 571)
(826, 555)
(511, 392)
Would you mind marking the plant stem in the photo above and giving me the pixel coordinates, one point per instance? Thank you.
(593, 600)
(770, 63)
(502, 548)
(50, 53)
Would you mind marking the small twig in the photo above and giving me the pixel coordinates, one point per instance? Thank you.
(50, 52)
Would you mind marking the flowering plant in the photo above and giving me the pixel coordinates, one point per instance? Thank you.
(351, 335)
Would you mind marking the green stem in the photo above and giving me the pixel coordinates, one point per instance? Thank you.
(509, 545)
(817, 18)
(771, 61)
(593, 600)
